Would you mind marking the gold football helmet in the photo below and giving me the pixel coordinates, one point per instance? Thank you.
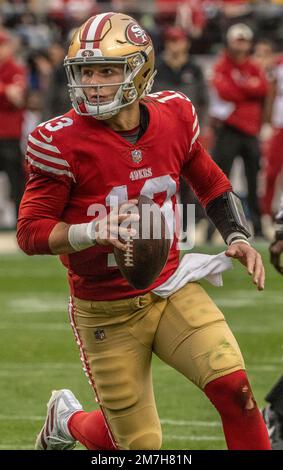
(110, 38)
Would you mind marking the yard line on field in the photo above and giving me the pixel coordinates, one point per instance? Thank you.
(65, 326)
(35, 326)
(273, 360)
(260, 330)
(170, 437)
(245, 302)
(244, 294)
(260, 367)
(21, 418)
(43, 365)
(37, 369)
(266, 368)
(47, 302)
(12, 446)
(35, 272)
(255, 329)
(171, 422)
(174, 422)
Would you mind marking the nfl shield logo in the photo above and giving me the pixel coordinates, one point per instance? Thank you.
(136, 156)
(99, 335)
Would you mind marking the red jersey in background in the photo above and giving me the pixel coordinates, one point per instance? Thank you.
(11, 117)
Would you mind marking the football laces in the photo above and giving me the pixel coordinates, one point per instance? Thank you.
(129, 253)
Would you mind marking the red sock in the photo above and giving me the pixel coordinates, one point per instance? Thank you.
(242, 422)
(90, 430)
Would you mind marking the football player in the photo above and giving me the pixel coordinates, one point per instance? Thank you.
(87, 159)
(273, 412)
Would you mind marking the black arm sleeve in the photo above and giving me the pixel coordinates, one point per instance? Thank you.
(227, 214)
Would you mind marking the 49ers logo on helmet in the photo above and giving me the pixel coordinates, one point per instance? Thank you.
(87, 53)
(136, 35)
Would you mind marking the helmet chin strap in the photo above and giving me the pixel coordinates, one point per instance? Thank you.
(104, 117)
(105, 111)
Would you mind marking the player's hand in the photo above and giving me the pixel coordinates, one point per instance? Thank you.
(250, 258)
(276, 250)
(116, 226)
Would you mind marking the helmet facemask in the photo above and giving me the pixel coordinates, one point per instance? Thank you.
(126, 94)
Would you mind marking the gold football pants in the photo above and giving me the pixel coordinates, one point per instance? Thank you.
(187, 331)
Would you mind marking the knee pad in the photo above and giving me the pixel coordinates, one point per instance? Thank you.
(146, 441)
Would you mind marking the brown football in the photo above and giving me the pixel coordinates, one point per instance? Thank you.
(148, 251)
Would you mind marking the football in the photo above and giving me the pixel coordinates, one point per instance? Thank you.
(147, 252)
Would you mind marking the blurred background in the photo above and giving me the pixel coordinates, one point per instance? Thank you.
(189, 37)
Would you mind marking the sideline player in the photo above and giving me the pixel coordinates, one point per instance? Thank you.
(90, 156)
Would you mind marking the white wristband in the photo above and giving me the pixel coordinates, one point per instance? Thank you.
(239, 237)
(240, 240)
(82, 236)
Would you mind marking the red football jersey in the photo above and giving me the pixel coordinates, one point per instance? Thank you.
(11, 116)
(239, 92)
(77, 161)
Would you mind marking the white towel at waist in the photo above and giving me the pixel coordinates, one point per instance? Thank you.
(193, 267)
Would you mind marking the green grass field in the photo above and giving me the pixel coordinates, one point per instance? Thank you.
(38, 352)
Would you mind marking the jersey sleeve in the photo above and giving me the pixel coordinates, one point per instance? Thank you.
(204, 176)
(195, 130)
(50, 177)
(41, 209)
(49, 155)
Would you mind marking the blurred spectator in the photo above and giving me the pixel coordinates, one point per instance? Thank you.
(33, 34)
(68, 14)
(269, 20)
(40, 69)
(176, 70)
(32, 116)
(130, 7)
(57, 98)
(13, 81)
(188, 14)
(56, 53)
(236, 8)
(265, 57)
(274, 155)
(239, 89)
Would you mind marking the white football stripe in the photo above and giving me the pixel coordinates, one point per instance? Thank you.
(92, 30)
(42, 145)
(48, 158)
(169, 97)
(50, 169)
(195, 137)
(195, 123)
